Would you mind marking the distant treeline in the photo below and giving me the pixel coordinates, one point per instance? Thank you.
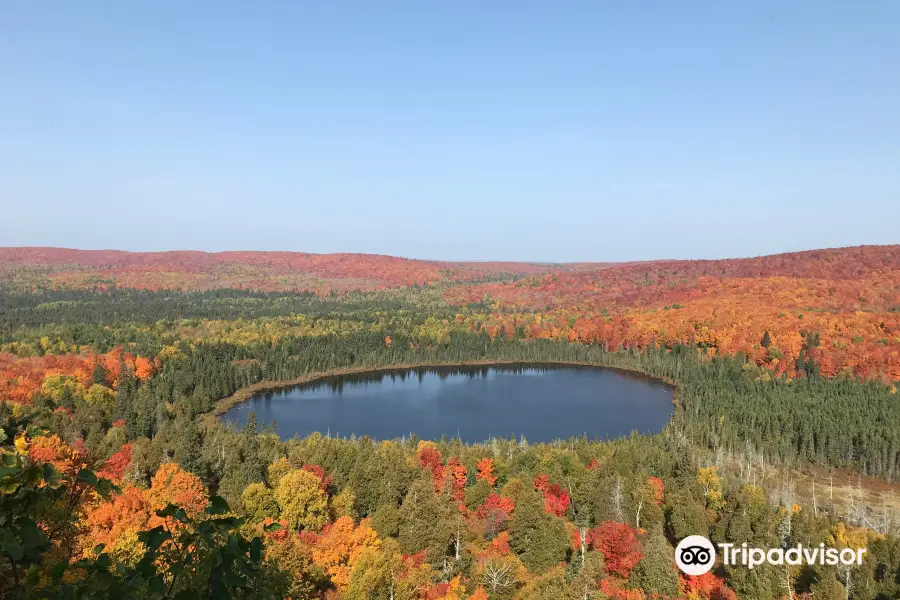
(728, 403)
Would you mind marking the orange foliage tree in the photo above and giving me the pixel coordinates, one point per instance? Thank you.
(338, 548)
(486, 471)
(117, 521)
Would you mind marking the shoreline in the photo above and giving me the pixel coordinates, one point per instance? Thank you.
(244, 394)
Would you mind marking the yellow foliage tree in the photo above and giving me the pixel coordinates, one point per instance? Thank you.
(55, 386)
(259, 502)
(302, 502)
(279, 469)
(342, 505)
(709, 479)
(842, 536)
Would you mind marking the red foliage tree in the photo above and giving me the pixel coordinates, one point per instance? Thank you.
(615, 590)
(432, 460)
(556, 499)
(143, 368)
(620, 547)
(496, 511)
(706, 586)
(114, 468)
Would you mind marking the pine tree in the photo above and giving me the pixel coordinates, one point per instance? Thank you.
(99, 374)
(252, 464)
(186, 443)
(426, 522)
(655, 573)
(538, 537)
(124, 393)
(685, 514)
(828, 588)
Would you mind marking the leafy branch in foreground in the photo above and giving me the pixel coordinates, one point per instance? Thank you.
(184, 557)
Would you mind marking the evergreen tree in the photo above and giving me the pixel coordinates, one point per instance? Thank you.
(426, 522)
(186, 442)
(685, 515)
(140, 414)
(124, 392)
(386, 520)
(538, 537)
(585, 584)
(828, 588)
(65, 398)
(252, 464)
(656, 573)
(99, 375)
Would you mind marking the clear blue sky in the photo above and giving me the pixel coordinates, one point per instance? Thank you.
(553, 131)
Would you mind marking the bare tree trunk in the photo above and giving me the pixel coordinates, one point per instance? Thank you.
(788, 499)
(786, 582)
(617, 500)
(583, 534)
(815, 499)
(848, 580)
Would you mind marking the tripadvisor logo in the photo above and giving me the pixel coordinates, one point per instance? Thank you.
(696, 555)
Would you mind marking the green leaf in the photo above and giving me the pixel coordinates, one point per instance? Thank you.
(255, 549)
(154, 538)
(173, 510)
(217, 506)
(156, 585)
(9, 486)
(13, 548)
(35, 430)
(59, 570)
(234, 546)
(32, 536)
(87, 476)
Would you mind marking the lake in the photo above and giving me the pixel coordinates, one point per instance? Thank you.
(542, 402)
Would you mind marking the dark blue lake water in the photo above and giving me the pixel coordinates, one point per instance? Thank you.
(542, 403)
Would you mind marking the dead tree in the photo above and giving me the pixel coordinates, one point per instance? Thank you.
(498, 577)
(617, 497)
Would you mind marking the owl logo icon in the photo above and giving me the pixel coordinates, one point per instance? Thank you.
(695, 555)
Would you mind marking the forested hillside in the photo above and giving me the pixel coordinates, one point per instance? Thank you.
(838, 308)
(265, 271)
(118, 481)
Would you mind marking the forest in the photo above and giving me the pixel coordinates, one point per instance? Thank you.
(118, 480)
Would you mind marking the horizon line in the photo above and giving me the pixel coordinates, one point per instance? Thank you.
(432, 260)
